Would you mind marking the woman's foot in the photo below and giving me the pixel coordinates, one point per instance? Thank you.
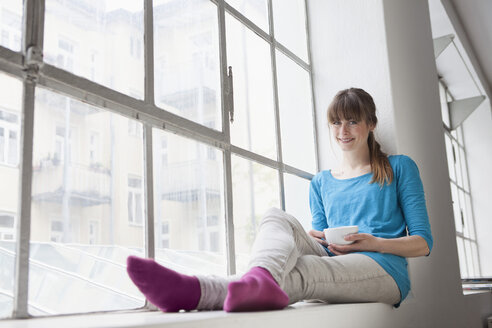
(257, 290)
(169, 290)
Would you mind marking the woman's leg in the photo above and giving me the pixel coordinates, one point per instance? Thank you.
(280, 241)
(341, 279)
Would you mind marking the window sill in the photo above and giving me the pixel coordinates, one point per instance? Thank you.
(297, 315)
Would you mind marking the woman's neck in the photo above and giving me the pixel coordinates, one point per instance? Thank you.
(354, 164)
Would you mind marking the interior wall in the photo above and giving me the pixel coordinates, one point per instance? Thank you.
(385, 47)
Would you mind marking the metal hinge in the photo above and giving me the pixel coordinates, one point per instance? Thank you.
(229, 96)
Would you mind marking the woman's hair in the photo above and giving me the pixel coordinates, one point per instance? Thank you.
(357, 105)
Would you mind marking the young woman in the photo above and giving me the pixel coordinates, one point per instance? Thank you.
(382, 195)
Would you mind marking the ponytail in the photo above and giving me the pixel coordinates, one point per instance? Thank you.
(381, 169)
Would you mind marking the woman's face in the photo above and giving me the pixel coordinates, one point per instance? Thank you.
(350, 135)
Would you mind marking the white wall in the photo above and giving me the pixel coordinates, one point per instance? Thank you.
(385, 47)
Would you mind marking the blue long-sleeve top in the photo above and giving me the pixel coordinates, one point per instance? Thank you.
(388, 212)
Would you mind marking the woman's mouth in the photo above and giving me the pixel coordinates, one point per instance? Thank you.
(345, 140)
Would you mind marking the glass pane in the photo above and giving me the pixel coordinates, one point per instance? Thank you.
(296, 114)
(459, 179)
(449, 154)
(10, 98)
(444, 105)
(189, 205)
(464, 169)
(99, 40)
(76, 266)
(469, 260)
(456, 208)
(469, 216)
(11, 24)
(255, 10)
(463, 216)
(297, 199)
(255, 189)
(461, 257)
(289, 18)
(254, 120)
(187, 68)
(476, 263)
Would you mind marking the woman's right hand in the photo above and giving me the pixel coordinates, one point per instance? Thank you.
(318, 236)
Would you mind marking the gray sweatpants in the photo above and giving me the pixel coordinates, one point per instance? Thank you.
(303, 269)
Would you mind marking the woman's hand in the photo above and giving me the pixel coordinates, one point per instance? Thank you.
(318, 236)
(362, 242)
(408, 246)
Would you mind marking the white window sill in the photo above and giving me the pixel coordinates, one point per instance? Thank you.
(298, 315)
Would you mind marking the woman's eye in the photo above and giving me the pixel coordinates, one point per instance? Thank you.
(336, 123)
(353, 122)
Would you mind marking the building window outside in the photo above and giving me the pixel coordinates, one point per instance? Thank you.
(56, 230)
(7, 227)
(135, 200)
(9, 138)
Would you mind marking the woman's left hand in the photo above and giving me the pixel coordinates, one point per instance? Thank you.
(361, 242)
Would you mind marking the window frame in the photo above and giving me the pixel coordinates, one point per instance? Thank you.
(29, 67)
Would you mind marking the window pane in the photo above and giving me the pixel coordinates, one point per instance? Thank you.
(296, 114)
(187, 68)
(297, 199)
(254, 10)
(289, 18)
(254, 120)
(11, 24)
(450, 156)
(469, 260)
(464, 170)
(476, 263)
(461, 257)
(456, 208)
(255, 189)
(459, 179)
(444, 105)
(463, 216)
(10, 99)
(99, 40)
(73, 269)
(189, 205)
(469, 216)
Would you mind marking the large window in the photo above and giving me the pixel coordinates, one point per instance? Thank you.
(187, 135)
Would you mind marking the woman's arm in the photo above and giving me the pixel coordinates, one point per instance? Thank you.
(409, 246)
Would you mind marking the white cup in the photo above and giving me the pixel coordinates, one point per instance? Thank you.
(336, 235)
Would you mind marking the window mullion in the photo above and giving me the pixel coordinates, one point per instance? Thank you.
(276, 106)
(313, 106)
(32, 46)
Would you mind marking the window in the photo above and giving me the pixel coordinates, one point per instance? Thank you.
(464, 220)
(9, 138)
(92, 128)
(93, 232)
(56, 230)
(7, 227)
(135, 200)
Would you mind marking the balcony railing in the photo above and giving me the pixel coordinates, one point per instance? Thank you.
(87, 185)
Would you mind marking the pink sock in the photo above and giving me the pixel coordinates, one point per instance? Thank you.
(255, 291)
(168, 290)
